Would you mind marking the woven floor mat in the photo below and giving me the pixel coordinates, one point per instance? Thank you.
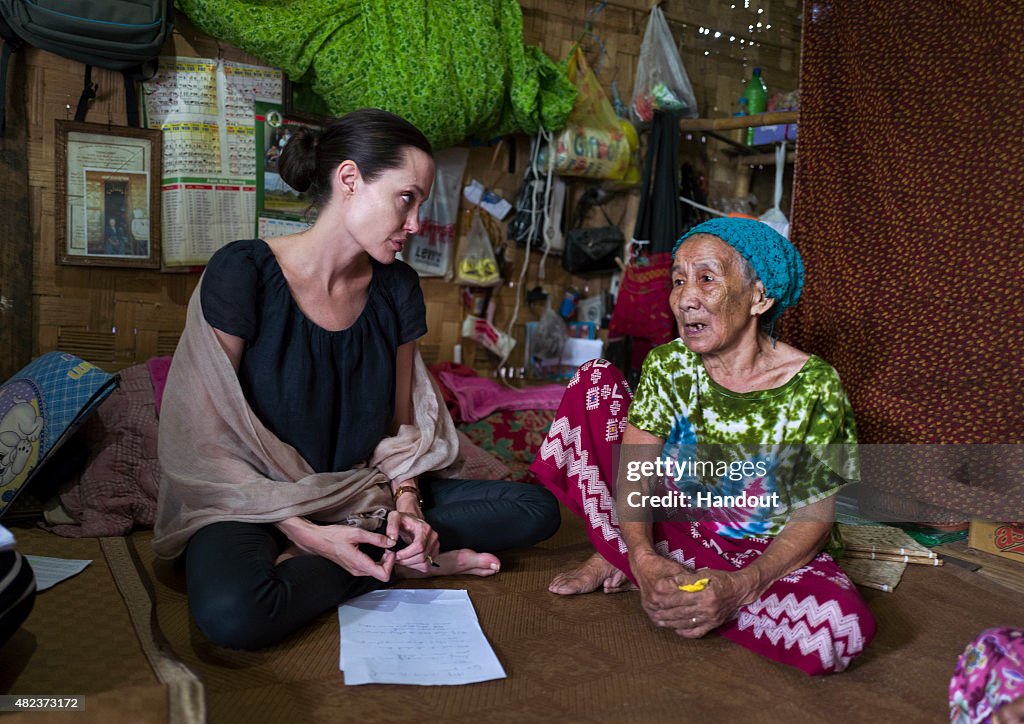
(596, 657)
(584, 658)
(80, 639)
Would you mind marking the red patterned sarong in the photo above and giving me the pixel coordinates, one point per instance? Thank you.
(813, 618)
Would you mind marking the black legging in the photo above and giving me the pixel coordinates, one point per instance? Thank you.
(240, 599)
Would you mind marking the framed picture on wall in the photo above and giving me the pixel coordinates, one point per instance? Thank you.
(280, 209)
(107, 195)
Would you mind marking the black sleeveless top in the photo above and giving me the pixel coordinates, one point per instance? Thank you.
(330, 395)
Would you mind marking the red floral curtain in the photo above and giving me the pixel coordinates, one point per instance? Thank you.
(909, 213)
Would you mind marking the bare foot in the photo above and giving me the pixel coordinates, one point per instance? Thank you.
(595, 573)
(463, 562)
(290, 552)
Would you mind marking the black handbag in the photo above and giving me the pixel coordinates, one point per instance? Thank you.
(594, 250)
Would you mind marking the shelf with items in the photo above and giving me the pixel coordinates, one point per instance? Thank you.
(733, 170)
(772, 118)
(761, 154)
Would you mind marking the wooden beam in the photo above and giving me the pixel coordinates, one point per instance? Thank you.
(16, 244)
(775, 118)
(764, 159)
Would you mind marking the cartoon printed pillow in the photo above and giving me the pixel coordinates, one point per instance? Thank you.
(40, 407)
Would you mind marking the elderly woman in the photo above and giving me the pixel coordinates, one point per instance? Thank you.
(724, 382)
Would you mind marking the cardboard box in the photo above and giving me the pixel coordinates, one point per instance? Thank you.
(1002, 539)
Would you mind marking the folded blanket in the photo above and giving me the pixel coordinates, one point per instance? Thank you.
(478, 397)
(117, 488)
(220, 463)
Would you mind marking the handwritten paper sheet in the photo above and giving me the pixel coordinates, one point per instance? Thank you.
(404, 636)
(51, 571)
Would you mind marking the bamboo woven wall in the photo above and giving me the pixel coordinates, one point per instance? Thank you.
(112, 317)
(118, 317)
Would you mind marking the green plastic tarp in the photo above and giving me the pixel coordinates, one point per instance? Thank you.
(454, 68)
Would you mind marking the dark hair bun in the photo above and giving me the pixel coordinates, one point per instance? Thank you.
(297, 165)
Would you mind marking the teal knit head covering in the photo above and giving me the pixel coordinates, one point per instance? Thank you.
(774, 258)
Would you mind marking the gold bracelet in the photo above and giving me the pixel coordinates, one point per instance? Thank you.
(408, 489)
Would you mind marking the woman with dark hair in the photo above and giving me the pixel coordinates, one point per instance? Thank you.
(299, 422)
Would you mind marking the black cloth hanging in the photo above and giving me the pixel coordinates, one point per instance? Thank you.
(642, 315)
(659, 219)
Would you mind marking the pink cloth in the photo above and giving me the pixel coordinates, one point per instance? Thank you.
(813, 618)
(989, 676)
(478, 397)
(158, 368)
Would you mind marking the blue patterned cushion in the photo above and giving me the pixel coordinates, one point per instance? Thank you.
(40, 407)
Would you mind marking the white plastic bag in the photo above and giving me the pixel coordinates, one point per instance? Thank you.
(477, 265)
(430, 251)
(661, 81)
(486, 335)
(774, 216)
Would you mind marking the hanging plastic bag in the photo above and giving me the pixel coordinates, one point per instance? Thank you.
(632, 175)
(774, 216)
(488, 336)
(593, 143)
(477, 265)
(661, 81)
(430, 251)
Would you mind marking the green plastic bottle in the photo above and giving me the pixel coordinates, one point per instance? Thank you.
(756, 94)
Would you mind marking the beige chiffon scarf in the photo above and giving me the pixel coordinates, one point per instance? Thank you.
(219, 463)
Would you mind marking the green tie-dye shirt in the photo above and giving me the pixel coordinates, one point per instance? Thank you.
(808, 421)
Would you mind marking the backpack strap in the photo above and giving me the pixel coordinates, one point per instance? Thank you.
(132, 77)
(88, 93)
(131, 95)
(131, 99)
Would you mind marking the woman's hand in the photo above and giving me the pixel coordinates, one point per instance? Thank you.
(700, 612)
(659, 592)
(407, 522)
(690, 615)
(340, 544)
(423, 544)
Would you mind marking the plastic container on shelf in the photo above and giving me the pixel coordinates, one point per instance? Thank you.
(739, 135)
(756, 93)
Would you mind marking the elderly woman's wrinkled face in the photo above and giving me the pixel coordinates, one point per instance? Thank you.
(711, 300)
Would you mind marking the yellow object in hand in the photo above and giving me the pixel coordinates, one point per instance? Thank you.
(696, 585)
